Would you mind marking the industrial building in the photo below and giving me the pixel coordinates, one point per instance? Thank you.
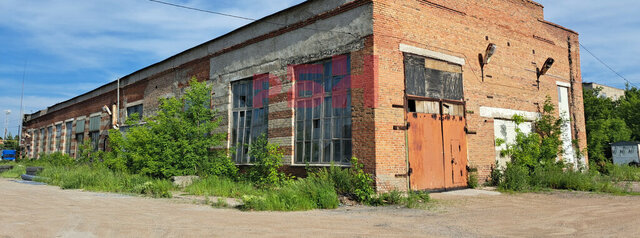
(605, 91)
(417, 90)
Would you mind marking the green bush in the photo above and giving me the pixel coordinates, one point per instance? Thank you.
(472, 181)
(57, 159)
(268, 160)
(221, 186)
(179, 140)
(515, 177)
(533, 163)
(351, 182)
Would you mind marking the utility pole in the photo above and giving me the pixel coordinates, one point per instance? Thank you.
(24, 72)
(6, 123)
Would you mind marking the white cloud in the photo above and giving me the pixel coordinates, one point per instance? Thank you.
(74, 46)
(85, 33)
(609, 29)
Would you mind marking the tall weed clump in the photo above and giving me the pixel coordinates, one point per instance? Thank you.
(222, 187)
(351, 182)
(268, 160)
(102, 179)
(57, 159)
(303, 194)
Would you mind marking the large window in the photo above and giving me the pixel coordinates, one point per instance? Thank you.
(67, 137)
(249, 115)
(58, 137)
(94, 131)
(323, 112)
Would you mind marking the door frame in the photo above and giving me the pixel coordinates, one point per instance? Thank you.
(441, 102)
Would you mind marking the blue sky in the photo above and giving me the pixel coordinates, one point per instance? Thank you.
(70, 47)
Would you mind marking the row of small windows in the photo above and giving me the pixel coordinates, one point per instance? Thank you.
(323, 121)
(46, 141)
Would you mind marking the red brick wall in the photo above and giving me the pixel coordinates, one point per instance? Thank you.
(464, 29)
(149, 89)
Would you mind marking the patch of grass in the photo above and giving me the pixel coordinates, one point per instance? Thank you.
(220, 203)
(520, 179)
(414, 199)
(623, 173)
(418, 199)
(17, 170)
(100, 179)
(221, 186)
(302, 194)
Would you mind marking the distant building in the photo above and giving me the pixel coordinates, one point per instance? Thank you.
(609, 92)
(625, 152)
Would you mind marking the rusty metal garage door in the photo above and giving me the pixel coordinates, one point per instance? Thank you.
(435, 124)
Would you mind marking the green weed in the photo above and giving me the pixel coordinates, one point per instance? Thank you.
(15, 172)
(303, 194)
(101, 179)
(221, 186)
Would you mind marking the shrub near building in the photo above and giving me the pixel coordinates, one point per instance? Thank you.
(177, 141)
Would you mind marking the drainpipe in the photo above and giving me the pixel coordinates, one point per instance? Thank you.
(117, 112)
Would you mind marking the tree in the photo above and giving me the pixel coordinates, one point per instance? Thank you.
(629, 110)
(604, 125)
(179, 140)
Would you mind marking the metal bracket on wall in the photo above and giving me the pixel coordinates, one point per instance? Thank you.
(405, 175)
(401, 128)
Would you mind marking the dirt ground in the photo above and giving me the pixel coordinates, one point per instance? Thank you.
(46, 211)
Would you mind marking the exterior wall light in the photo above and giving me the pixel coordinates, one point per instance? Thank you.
(484, 59)
(542, 71)
(547, 65)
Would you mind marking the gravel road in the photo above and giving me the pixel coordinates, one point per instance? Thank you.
(47, 211)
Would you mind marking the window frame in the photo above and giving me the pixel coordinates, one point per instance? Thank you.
(58, 138)
(49, 139)
(136, 105)
(314, 130)
(94, 133)
(41, 144)
(68, 136)
(249, 128)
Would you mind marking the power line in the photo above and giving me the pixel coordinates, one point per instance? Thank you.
(609, 67)
(243, 18)
(280, 24)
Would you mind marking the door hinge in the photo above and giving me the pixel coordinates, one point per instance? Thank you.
(402, 128)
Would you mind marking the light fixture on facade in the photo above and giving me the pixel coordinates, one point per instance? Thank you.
(484, 59)
(547, 65)
(542, 71)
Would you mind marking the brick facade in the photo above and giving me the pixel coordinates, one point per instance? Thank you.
(371, 32)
